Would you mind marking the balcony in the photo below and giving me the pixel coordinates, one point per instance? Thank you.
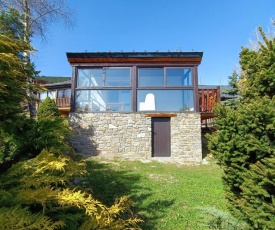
(208, 98)
(64, 105)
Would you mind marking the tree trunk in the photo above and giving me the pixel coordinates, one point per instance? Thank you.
(27, 35)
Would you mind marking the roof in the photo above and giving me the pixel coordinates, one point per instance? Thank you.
(58, 85)
(208, 86)
(136, 57)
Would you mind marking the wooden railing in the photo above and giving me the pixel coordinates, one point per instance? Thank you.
(208, 99)
(63, 102)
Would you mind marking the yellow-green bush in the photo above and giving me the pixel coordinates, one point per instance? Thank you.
(39, 192)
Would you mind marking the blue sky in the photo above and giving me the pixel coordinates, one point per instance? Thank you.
(218, 28)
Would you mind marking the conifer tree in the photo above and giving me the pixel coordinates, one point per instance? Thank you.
(244, 143)
(233, 91)
(36, 16)
(13, 86)
(13, 81)
(47, 108)
(258, 69)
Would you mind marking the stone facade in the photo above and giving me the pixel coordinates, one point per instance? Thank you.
(128, 136)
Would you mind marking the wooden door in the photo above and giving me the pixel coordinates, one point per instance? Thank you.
(161, 137)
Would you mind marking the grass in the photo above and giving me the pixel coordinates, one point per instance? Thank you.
(167, 196)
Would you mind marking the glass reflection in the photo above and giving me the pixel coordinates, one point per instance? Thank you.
(150, 77)
(178, 77)
(165, 100)
(103, 100)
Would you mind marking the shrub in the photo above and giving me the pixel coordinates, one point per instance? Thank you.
(47, 108)
(244, 143)
(26, 138)
(217, 219)
(40, 193)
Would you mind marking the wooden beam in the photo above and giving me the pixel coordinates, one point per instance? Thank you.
(191, 60)
(160, 115)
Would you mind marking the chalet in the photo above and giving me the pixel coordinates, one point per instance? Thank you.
(137, 105)
(60, 92)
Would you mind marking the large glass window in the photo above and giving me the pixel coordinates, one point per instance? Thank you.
(117, 77)
(151, 77)
(101, 77)
(172, 93)
(162, 77)
(43, 95)
(90, 77)
(165, 100)
(103, 100)
(178, 77)
(158, 89)
(64, 93)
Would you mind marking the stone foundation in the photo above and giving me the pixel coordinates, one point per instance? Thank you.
(128, 136)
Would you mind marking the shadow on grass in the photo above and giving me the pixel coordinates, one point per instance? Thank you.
(153, 213)
(204, 140)
(108, 182)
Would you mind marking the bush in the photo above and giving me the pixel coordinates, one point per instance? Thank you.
(47, 108)
(26, 138)
(42, 193)
(244, 142)
(217, 219)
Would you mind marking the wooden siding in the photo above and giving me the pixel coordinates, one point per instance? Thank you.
(63, 102)
(208, 98)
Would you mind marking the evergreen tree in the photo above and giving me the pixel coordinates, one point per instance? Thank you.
(37, 15)
(14, 74)
(47, 108)
(233, 83)
(13, 86)
(244, 143)
(258, 69)
(233, 91)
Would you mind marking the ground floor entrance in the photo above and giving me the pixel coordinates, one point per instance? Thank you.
(161, 137)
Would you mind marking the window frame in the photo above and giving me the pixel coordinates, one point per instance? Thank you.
(165, 87)
(165, 77)
(80, 88)
(103, 86)
(134, 87)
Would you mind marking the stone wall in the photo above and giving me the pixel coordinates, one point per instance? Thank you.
(128, 135)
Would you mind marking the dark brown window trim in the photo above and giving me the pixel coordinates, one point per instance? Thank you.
(102, 88)
(138, 65)
(160, 115)
(166, 88)
(134, 75)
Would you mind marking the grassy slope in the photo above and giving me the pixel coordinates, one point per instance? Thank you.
(167, 196)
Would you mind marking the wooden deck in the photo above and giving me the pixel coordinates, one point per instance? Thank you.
(63, 102)
(208, 98)
(64, 105)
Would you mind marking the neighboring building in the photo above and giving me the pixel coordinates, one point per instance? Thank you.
(60, 92)
(137, 105)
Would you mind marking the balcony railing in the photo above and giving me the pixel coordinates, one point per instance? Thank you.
(208, 99)
(63, 102)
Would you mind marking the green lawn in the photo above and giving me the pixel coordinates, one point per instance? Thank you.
(167, 196)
